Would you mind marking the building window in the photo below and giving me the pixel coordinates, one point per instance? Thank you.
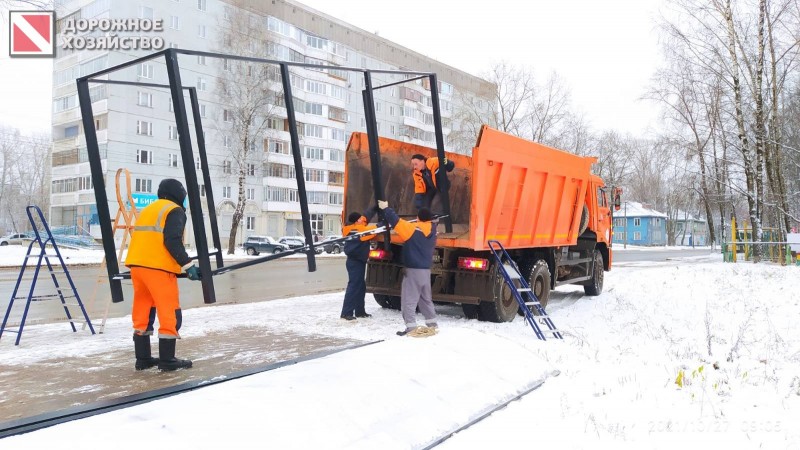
(173, 133)
(145, 70)
(226, 192)
(226, 167)
(637, 222)
(313, 153)
(143, 185)
(637, 236)
(315, 175)
(202, 110)
(144, 128)
(312, 130)
(201, 5)
(251, 194)
(226, 65)
(278, 147)
(175, 22)
(144, 156)
(201, 84)
(337, 155)
(336, 178)
(201, 60)
(391, 110)
(392, 130)
(197, 163)
(170, 105)
(201, 31)
(251, 169)
(339, 135)
(145, 99)
(172, 160)
(250, 223)
(313, 108)
(227, 115)
(336, 198)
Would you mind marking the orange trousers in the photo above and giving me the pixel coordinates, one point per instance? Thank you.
(155, 292)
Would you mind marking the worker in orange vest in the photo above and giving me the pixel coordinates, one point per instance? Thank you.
(156, 256)
(357, 251)
(424, 174)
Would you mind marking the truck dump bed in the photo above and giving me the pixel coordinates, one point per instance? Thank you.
(518, 192)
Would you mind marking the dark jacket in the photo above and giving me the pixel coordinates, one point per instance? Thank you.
(172, 190)
(419, 238)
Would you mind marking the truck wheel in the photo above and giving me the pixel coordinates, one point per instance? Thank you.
(337, 250)
(584, 219)
(470, 311)
(504, 307)
(540, 283)
(387, 301)
(595, 286)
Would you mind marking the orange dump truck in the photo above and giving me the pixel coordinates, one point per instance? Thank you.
(544, 205)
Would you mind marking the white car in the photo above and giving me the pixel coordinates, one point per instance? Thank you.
(17, 238)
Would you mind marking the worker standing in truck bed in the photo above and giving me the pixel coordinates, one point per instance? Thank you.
(424, 174)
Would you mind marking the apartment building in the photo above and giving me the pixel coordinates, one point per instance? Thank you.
(135, 125)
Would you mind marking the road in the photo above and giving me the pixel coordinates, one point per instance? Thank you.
(282, 278)
(288, 277)
(637, 255)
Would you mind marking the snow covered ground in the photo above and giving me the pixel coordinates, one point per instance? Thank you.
(679, 353)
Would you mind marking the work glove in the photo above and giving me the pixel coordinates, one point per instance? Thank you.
(383, 204)
(449, 165)
(193, 273)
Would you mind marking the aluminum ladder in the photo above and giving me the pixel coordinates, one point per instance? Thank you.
(43, 238)
(523, 293)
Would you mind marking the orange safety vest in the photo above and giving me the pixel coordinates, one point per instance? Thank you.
(147, 247)
(419, 184)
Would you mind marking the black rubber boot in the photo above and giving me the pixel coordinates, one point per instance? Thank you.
(166, 353)
(143, 358)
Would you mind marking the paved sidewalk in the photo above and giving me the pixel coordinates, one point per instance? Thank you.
(55, 384)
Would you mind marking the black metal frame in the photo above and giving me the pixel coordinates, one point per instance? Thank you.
(182, 124)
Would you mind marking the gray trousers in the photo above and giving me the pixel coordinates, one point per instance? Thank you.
(416, 290)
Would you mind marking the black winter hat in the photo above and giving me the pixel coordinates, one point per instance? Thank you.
(353, 217)
(172, 189)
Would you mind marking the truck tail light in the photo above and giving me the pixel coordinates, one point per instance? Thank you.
(379, 253)
(473, 263)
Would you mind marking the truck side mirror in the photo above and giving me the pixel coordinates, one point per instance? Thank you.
(616, 195)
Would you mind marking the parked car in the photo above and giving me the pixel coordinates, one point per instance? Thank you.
(335, 247)
(263, 244)
(297, 242)
(16, 238)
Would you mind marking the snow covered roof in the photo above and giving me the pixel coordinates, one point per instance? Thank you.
(636, 209)
(683, 216)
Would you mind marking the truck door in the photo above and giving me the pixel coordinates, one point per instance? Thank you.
(603, 216)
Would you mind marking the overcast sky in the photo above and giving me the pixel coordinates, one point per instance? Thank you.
(605, 51)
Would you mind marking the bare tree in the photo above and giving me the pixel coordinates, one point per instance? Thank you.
(250, 94)
(515, 89)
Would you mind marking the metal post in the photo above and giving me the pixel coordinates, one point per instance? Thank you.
(298, 165)
(374, 150)
(195, 205)
(201, 149)
(441, 177)
(96, 168)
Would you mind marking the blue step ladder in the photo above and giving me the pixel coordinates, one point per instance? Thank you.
(523, 293)
(43, 238)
